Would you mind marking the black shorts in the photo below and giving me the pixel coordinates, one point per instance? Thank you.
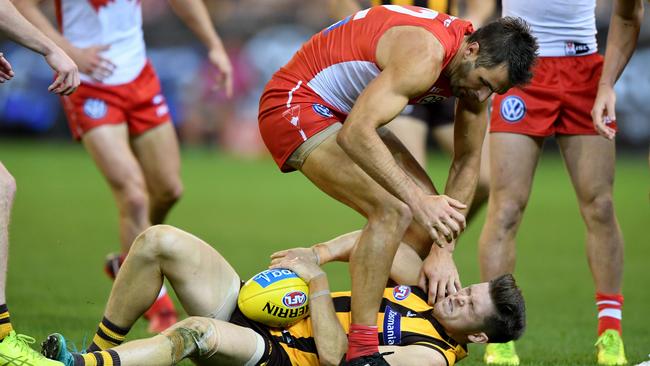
(274, 354)
(434, 114)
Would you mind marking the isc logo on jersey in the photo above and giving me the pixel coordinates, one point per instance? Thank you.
(275, 297)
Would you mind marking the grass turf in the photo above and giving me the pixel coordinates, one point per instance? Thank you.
(64, 222)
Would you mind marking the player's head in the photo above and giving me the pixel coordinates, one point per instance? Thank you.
(497, 56)
(489, 311)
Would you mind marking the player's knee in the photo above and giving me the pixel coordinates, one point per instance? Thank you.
(134, 198)
(193, 337)
(509, 213)
(599, 210)
(394, 215)
(156, 241)
(169, 194)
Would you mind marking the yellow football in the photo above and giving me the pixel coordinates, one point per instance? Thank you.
(275, 297)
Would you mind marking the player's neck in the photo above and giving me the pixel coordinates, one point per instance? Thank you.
(457, 60)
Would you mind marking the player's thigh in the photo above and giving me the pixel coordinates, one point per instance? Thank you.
(513, 160)
(204, 281)
(109, 147)
(590, 160)
(158, 153)
(332, 170)
(412, 132)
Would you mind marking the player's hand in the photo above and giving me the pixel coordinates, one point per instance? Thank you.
(440, 217)
(6, 72)
(306, 270)
(67, 73)
(439, 276)
(304, 254)
(92, 63)
(219, 58)
(604, 111)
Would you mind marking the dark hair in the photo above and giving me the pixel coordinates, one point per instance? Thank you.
(509, 321)
(507, 40)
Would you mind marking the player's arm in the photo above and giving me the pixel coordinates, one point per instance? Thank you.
(340, 9)
(14, 25)
(410, 59)
(624, 27)
(479, 11)
(195, 15)
(412, 355)
(470, 124)
(329, 336)
(404, 270)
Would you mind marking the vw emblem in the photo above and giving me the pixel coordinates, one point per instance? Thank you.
(513, 109)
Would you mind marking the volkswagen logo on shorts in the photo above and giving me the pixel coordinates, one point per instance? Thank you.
(513, 109)
(95, 108)
(322, 110)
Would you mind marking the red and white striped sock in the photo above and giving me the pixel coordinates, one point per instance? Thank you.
(610, 309)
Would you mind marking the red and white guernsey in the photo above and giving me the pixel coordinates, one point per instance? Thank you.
(339, 62)
(321, 83)
(117, 23)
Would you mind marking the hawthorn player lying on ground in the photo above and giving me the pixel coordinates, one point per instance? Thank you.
(411, 331)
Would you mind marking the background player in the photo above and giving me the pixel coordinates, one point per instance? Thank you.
(208, 286)
(556, 103)
(120, 114)
(413, 124)
(363, 71)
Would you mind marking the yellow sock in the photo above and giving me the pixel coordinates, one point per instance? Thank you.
(105, 358)
(108, 336)
(5, 321)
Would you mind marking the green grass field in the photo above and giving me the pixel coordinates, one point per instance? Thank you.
(64, 222)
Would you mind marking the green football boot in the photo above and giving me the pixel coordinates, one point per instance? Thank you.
(15, 350)
(501, 354)
(610, 349)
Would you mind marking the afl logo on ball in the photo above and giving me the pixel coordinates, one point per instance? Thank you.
(513, 109)
(401, 292)
(95, 108)
(322, 110)
(294, 299)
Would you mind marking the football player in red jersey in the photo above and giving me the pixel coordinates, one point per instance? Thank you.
(120, 114)
(323, 111)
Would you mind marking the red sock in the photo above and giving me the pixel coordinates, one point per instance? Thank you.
(610, 308)
(162, 304)
(363, 340)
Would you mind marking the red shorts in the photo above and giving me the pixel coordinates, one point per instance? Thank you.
(140, 104)
(289, 115)
(557, 101)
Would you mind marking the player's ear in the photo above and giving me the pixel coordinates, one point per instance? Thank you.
(472, 49)
(478, 337)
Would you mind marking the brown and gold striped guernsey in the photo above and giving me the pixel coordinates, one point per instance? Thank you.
(404, 319)
(444, 6)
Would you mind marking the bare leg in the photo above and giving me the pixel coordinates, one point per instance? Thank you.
(206, 341)
(205, 283)
(590, 161)
(513, 159)
(413, 134)
(109, 147)
(7, 193)
(157, 152)
(330, 169)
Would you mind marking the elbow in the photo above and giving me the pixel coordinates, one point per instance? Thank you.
(344, 138)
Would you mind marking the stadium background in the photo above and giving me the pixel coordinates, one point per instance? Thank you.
(64, 219)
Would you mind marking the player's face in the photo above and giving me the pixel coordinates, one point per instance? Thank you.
(478, 83)
(465, 312)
